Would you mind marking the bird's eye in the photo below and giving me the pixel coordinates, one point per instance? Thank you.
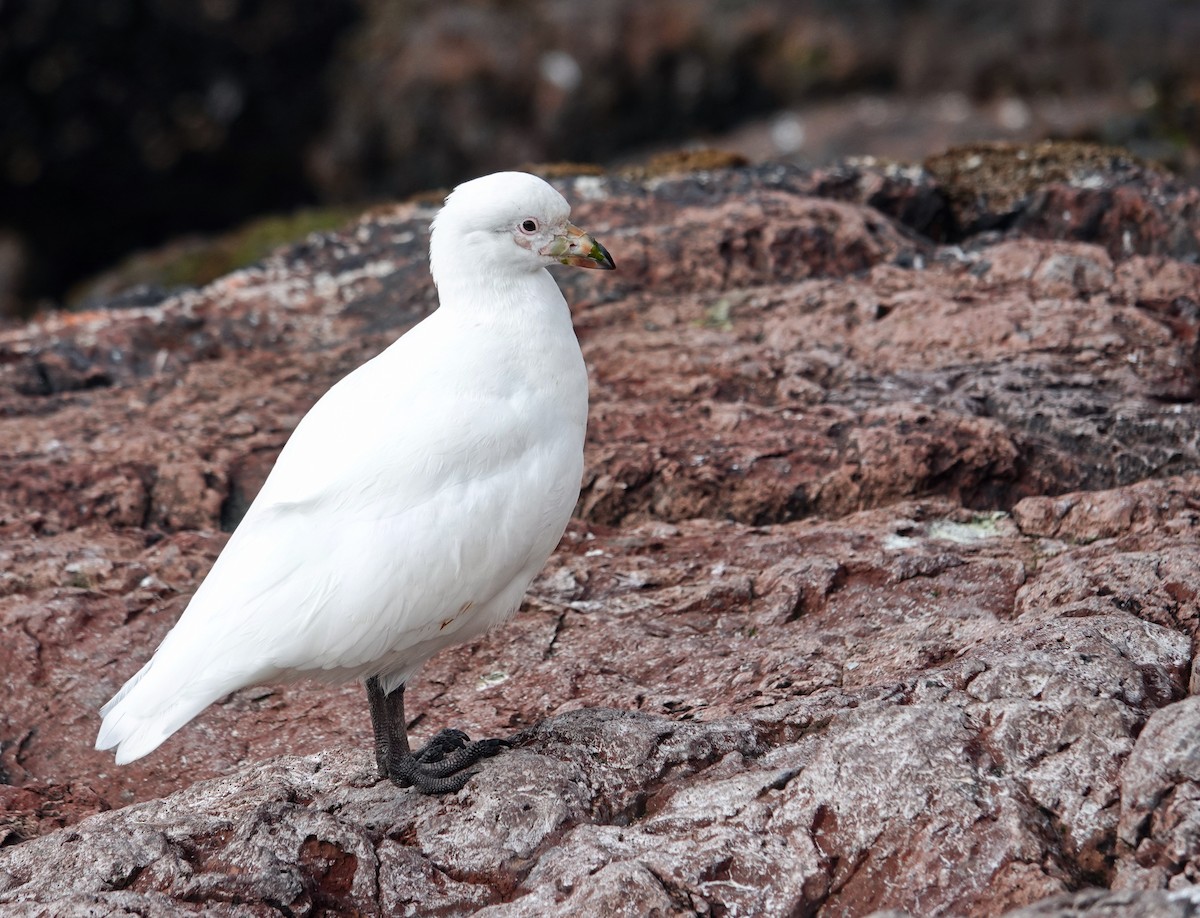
(529, 226)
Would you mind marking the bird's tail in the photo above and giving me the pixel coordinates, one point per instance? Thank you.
(155, 703)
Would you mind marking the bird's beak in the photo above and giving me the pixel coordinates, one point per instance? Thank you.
(575, 247)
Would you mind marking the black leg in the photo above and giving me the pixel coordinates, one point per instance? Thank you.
(379, 724)
(436, 768)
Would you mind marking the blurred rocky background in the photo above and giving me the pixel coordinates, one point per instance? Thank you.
(128, 124)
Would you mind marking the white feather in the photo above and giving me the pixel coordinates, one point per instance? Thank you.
(412, 505)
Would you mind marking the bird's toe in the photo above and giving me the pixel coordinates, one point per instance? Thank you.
(491, 747)
(465, 757)
(426, 780)
(441, 745)
(447, 773)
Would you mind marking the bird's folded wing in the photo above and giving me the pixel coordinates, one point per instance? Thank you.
(366, 535)
(391, 435)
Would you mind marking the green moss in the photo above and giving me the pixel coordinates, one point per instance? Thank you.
(1002, 174)
(79, 580)
(196, 261)
(558, 170)
(719, 315)
(681, 161)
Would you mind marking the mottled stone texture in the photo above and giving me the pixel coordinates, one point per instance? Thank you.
(882, 593)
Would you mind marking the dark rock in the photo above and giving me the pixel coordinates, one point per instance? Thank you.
(1070, 191)
(36, 809)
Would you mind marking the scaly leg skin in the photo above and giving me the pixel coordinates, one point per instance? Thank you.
(436, 768)
(443, 744)
(375, 698)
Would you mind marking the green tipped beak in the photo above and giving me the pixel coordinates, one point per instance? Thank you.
(575, 247)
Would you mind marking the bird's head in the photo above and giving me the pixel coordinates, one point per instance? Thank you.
(509, 223)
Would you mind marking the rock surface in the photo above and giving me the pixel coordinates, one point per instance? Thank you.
(882, 592)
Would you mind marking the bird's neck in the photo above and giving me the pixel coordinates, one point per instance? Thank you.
(524, 297)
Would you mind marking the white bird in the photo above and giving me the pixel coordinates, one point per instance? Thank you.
(413, 504)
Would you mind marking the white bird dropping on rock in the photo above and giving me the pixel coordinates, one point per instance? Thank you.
(412, 505)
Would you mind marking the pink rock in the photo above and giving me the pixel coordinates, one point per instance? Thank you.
(882, 593)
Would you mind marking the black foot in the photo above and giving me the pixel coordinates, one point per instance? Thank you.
(440, 766)
(444, 775)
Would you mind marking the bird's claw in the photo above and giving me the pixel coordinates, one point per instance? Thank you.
(491, 747)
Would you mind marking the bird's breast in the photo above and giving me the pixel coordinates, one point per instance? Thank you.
(536, 370)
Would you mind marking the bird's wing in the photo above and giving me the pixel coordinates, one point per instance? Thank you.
(374, 508)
